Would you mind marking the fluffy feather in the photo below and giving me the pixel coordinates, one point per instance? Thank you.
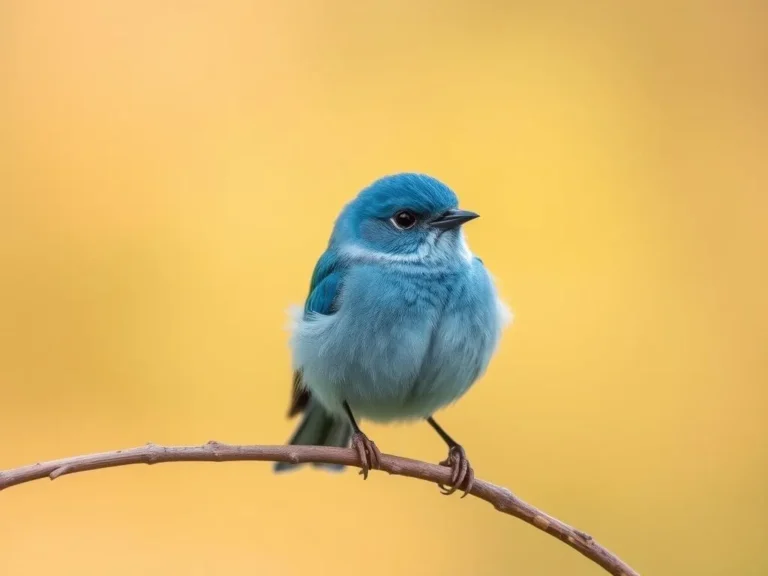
(398, 323)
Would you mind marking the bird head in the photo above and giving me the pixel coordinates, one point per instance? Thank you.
(407, 217)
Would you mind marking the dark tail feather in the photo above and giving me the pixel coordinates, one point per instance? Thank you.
(318, 428)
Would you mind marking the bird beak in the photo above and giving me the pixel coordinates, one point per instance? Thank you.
(453, 219)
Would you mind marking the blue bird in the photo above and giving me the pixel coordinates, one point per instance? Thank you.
(401, 319)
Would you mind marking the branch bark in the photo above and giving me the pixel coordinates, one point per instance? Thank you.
(501, 498)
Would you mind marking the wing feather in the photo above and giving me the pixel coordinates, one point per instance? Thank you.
(322, 299)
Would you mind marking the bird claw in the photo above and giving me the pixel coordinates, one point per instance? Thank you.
(370, 457)
(461, 472)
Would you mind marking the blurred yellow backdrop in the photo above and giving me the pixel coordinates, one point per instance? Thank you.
(170, 171)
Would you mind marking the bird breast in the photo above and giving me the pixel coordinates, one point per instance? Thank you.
(401, 344)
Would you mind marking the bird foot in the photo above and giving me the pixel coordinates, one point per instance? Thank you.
(461, 472)
(370, 457)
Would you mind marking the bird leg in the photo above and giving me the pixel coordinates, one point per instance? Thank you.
(370, 457)
(461, 471)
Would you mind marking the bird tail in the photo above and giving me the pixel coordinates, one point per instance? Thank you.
(318, 428)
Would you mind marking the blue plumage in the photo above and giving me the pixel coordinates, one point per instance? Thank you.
(401, 318)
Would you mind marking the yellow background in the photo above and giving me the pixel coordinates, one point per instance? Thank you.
(170, 171)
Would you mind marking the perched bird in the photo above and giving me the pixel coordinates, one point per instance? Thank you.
(401, 319)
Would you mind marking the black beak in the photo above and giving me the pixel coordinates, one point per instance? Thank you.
(453, 219)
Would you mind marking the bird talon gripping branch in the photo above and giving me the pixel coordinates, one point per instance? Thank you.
(370, 457)
(462, 475)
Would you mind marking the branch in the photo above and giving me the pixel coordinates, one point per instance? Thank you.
(501, 498)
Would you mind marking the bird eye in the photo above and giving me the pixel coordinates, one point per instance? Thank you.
(404, 220)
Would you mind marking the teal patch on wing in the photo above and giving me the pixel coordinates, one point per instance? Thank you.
(324, 286)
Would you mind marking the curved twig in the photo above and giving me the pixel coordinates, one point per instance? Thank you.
(501, 498)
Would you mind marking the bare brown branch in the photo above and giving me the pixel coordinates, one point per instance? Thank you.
(501, 498)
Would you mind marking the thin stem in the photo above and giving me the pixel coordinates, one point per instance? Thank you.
(501, 498)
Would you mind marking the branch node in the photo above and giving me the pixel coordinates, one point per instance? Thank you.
(583, 535)
(151, 455)
(294, 457)
(213, 447)
(60, 471)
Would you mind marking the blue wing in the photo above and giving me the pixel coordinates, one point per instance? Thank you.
(322, 299)
(324, 286)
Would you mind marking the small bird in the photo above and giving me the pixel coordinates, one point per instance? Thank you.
(401, 319)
